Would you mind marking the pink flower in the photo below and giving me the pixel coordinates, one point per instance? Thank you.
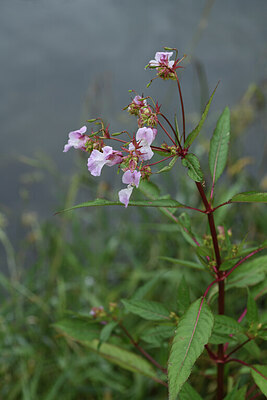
(137, 100)
(77, 139)
(131, 179)
(144, 137)
(162, 59)
(98, 159)
(125, 194)
(136, 104)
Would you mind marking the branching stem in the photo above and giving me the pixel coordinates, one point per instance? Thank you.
(144, 353)
(175, 134)
(167, 133)
(220, 280)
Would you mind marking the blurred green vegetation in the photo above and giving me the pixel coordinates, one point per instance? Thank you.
(96, 256)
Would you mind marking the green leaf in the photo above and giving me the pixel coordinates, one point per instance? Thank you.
(223, 327)
(189, 393)
(221, 338)
(252, 310)
(157, 334)
(194, 171)
(260, 381)
(144, 203)
(78, 329)
(203, 251)
(219, 145)
(183, 300)
(150, 310)
(123, 358)
(228, 325)
(251, 347)
(106, 331)
(237, 394)
(149, 189)
(249, 273)
(185, 226)
(250, 197)
(192, 136)
(193, 332)
(143, 290)
(168, 167)
(184, 263)
(185, 220)
(227, 264)
(262, 334)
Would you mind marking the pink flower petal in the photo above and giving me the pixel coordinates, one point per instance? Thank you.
(131, 178)
(76, 139)
(125, 194)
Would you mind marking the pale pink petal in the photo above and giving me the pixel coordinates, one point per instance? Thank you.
(95, 163)
(153, 63)
(125, 194)
(136, 180)
(137, 100)
(131, 177)
(67, 147)
(98, 159)
(75, 135)
(112, 157)
(145, 135)
(76, 140)
(82, 130)
(131, 147)
(162, 57)
(147, 153)
(107, 150)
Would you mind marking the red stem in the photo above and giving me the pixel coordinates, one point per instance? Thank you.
(169, 136)
(220, 280)
(119, 140)
(175, 134)
(255, 396)
(247, 365)
(251, 390)
(157, 162)
(243, 259)
(160, 149)
(223, 204)
(182, 104)
(238, 347)
(139, 348)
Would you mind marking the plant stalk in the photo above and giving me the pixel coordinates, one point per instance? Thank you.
(220, 355)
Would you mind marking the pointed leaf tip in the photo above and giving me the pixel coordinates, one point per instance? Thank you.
(192, 334)
(194, 171)
(219, 145)
(250, 197)
(192, 136)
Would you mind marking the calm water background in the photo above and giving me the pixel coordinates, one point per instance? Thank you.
(63, 61)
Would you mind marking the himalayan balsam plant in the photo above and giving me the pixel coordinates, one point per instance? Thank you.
(183, 334)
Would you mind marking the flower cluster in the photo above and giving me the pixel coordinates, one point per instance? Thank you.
(165, 67)
(140, 108)
(132, 156)
(138, 151)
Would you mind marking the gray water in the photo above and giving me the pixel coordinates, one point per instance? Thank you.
(62, 61)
